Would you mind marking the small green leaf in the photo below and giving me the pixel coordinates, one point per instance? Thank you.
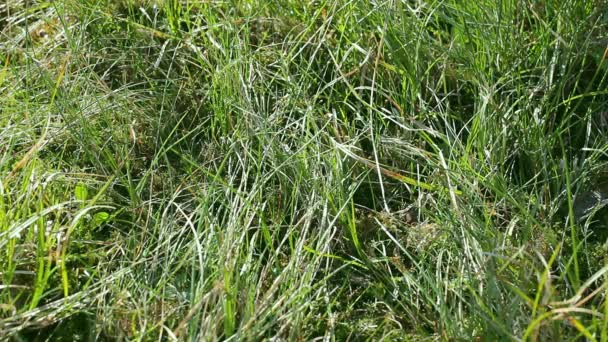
(81, 192)
(100, 218)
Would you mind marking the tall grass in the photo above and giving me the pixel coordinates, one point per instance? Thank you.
(341, 170)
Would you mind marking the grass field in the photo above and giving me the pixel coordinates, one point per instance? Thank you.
(303, 170)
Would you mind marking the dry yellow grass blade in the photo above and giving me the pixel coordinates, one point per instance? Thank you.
(392, 174)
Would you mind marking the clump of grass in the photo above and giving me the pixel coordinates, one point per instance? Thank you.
(256, 170)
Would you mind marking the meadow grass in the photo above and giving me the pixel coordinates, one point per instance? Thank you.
(303, 170)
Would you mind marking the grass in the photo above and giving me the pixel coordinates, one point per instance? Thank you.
(341, 170)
